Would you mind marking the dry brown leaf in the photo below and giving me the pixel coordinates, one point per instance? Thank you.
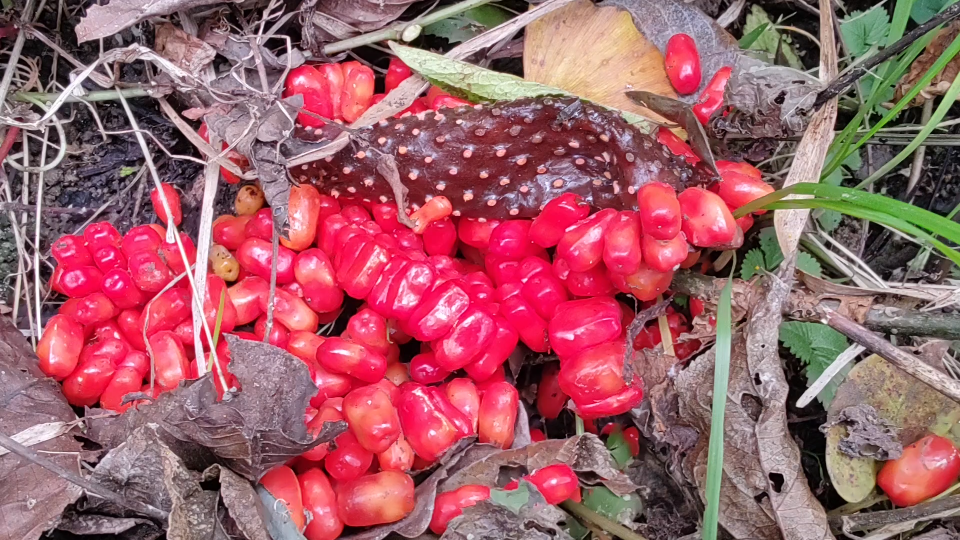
(797, 511)
(743, 483)
(105, 20)
(596, 53)
(32, 497)
(941, 82)
(764, 493)
(813, 147)
(184, 50)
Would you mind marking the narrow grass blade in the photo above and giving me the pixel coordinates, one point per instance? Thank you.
(721, 379)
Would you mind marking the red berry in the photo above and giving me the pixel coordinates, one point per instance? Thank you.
(676, 145)
(557, 215)
(372, 418)
(523, 317)
(711, 99)
(320, 500)
(659, 210)
(644, 284)
(255, 255)
(149, 272)
(303, 215)
(450, 504)
(425, 420)
(500, 348)
(440, 238)
(739, 189)
(498, 414)
(582, 244)
(70, 251)
(341, 356)
(358, 81)
(621, 245)
(926, 468)
(374, 499)
(170, 360)
(664, 256)
(438, 312)
(707, 222)
(125, 381)
(581, 324)
(282, 483)
(682, 61)
(59, 346)
(101, 234)
(476, 233)
(466, 341)
(79, 282)
(230, 231)
(173, 202)
(550, 398)
(313, 86)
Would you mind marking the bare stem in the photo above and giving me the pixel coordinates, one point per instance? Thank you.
(607, 525)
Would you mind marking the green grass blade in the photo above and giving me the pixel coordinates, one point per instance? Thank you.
(752, 37)
(935, 119)
(721, 379)
(826, 193)
(871, 215)
(841, 146)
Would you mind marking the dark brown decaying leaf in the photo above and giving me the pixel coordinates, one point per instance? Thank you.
(938, 86)
(243, 505)
(768, 101)
(797, 511)
(105, 20)
(338, 19)
(242, 433)
(586, 454)
(184, 50)
(671, 508)
(32, 497)
(743, 483)
(867, 434)
(535, 520)
(94, 524)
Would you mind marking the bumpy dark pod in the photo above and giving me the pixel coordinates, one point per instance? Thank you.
(504, 160)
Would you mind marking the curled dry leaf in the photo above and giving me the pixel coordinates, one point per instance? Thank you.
(798, 513)
(521, 514)
(341, 18)
(241, 433)
(909, 405)
(184, 50)
(32, 497)
(242, 504)
(745, 509)
(938, 86)
(867, 434)
(105, 20)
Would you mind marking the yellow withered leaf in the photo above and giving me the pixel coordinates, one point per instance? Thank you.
(596, 53)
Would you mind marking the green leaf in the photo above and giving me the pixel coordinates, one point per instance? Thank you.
(924, 10)
(752, 264)
(750, 37)
(681, 300)
(127, 171)
(829, 219)
(771, 248)
(604, 502)
(816, 346)
(514, 499)
(862, 30)
(619, 448)
(770, 40)
(808, 264)
(468, 24)
(480, 84)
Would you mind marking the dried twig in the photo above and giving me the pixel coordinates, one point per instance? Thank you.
(878, 344)
(34, 457)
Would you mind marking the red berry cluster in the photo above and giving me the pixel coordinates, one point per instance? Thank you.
(344, 91)
(682, 63)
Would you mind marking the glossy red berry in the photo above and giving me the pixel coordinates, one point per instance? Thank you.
(450, 504)
(621, 244)
(557, 215)
(682, 61)
(711, 99)
(374, 499)
(59, 346)
(659, 210)
(582, 244)
(173, 202)
(707, 222)
(581, 324)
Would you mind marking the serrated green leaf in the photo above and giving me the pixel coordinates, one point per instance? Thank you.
(815, 345)
(771, 248)
(480, 84)
(829, 220)
(862, 30)
(770, 40)
(808, 264)
(604, 502)
(752, 264)
(924, 10)
(619, 448)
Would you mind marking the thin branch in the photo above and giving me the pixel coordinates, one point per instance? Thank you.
(34, 457)
(852, 75)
